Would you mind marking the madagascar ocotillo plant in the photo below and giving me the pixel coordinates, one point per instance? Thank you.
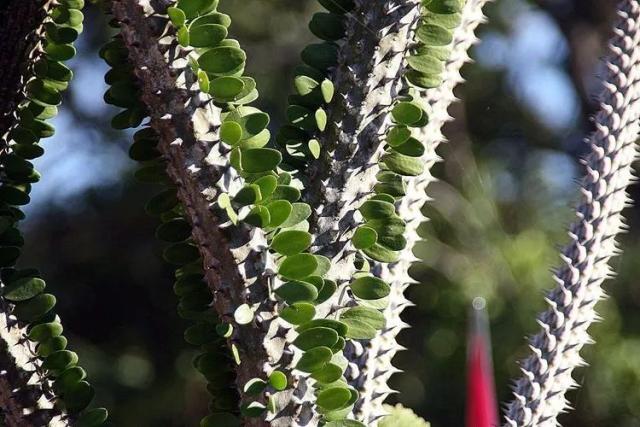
(291, 253)
(539, 395)
(41, 382)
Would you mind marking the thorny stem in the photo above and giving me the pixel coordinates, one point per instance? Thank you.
(539, 395)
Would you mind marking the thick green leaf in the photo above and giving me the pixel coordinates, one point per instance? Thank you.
(406, 113)
(44, 331)
(259, 216)
(278, 380)
(255, 386)
(333, 398)
(256, 160)
(78, 397)
(381, 253)
(243, 315)
(404, 165)
(328, 289)
(60, 360)
(193, 8)
(299, 213)
(321, 55)
(297, 291)
(231, 132)
(162, 202)
(377, 209)
(434, 35)
(445, 6)
(305, 85)
(297, 267)
(207, 35)
(177, 16)
(69, 377)
(223, 61)
(369, 287)
(248, 195)
(425, 64)
(327, 89)
(59, 51)
(51, 345)
(43, 93)
(176, 230)
(327, 26)
(298, 313)
(316, 337)
(212, 18)
(364, 237)
(290, 193)
(279, 210)
(398, 135)
(314, 359)
(336, 325)
(361, 321)
(23, 289)
(330, 373)
(267, 184)
(35, 308)
(201, 333)
(411, 147)
(181, 253)
(291, 242)
(92, 418)
(226, 88)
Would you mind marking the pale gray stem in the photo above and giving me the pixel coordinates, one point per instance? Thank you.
(539, 395)
(371, 365)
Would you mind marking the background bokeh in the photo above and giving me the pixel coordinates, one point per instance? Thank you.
(507, 185)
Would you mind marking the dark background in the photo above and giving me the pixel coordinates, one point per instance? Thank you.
(500, 212)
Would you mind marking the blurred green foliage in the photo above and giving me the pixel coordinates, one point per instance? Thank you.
(500, 210)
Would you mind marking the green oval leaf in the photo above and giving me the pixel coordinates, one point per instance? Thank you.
(298, 313)
(280, 210)
(314, 359)
(370, 288)
(404, 165)
(406, 113)
(35, 308)
(45, 331)
(434, 35)
(256, 160)
(291, 242)
(297, 267)
(60, 360)
(333, 398)
(364, 237)
(223, 61)
(78, 397)
(330, 373)
(361, 321)
(377, 209)
(316, 337)
(297, 291)
(24, 289)
(278, 380)
(226, 88)
(207, 35)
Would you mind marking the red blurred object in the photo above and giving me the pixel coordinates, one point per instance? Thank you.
(481, 395)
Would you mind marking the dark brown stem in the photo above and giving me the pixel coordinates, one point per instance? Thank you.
(20, 21)
(173, 110)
